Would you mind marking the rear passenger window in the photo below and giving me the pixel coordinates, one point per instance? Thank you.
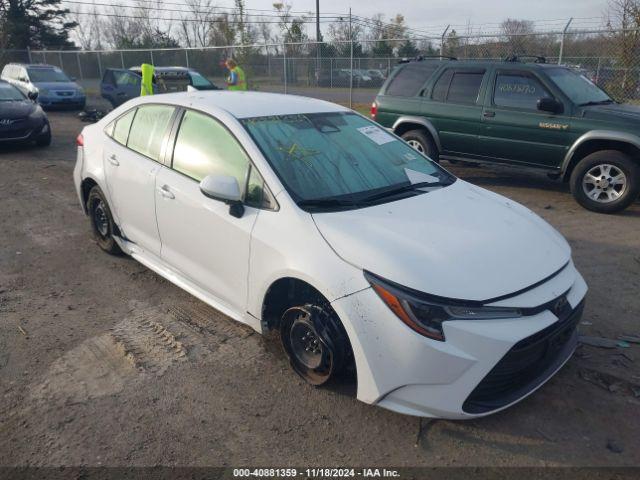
(465, 87)
(518, 91)
(148, 129)
(458, 86)
(122, 126)
(409, 80)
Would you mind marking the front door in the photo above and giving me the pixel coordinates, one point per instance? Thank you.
(131, 163)
(200, 238)
(514, 130)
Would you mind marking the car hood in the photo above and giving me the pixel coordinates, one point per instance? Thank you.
(613, 112)
(459, 242)
(57, 86)
(16, 110)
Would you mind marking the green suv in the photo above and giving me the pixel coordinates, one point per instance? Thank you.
(532, 115)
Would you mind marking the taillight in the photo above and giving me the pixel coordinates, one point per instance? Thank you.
(80, 140)
(374, 110)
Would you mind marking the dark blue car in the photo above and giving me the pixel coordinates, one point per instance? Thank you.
(119, 85)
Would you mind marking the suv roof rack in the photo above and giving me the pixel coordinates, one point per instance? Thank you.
(517, 58)
(420, 58)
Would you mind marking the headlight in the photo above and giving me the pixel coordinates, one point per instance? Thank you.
(425, 314)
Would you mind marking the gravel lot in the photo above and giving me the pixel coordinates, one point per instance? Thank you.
(102, 362)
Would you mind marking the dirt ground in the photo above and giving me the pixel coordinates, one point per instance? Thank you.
(103, 362)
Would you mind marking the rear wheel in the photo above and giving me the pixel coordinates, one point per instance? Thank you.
(606, 182)
(423, 143)
(102, 221)
(315, 342)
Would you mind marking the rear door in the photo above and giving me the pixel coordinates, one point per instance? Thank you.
(455, 109)
(119, 85)
(514, 130)
(131, 161)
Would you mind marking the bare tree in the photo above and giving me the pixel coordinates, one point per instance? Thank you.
(624, 23)
(517, 34)
(195, 25)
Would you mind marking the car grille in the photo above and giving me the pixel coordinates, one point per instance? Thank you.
(65, 93)
(16, 130)
(527, 365)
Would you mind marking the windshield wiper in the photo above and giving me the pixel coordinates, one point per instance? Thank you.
(405, 188)
(600, 102)
(326, 203)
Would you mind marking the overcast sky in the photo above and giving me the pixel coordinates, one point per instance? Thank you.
(430, 14)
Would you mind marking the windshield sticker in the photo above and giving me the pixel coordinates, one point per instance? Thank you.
(418, 177)
(376, 134)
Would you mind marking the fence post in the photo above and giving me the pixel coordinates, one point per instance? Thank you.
(122, 58)
(29, 55)
(79, 66)
(564, 32)
(99, 64)
(284, 61)
(351, 63)
(186, 56)
(60, 59)
(151, 55)
(598, 69)
(331, 73)
(444, 34)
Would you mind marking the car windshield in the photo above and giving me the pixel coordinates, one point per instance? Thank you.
(198, 80)
(9, 93)
(341, 159)
(577, 87)
(47, 75)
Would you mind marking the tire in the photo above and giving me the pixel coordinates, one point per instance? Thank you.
(422, 142)
(315, 342)
(44, 140)
(607, 181)
(101, 220)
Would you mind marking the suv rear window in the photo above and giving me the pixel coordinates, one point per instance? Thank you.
(409, 80)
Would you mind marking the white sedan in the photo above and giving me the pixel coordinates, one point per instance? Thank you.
(294, 214)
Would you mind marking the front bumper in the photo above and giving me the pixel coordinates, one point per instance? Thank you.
(482, 367)
(25, 131)
(58, 101)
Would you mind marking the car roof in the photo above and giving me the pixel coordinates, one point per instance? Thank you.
(34, 65)
(247, 104)
(482, 63)
(138, 69)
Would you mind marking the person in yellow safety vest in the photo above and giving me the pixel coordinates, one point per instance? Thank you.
(146, 86)
(236, 79)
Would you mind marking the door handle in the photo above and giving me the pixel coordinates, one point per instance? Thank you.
(113, 160)
(165, 192)
(489, 114)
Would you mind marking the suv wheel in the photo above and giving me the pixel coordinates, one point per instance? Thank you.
(423, 143)
(606, 182)
(102, 221)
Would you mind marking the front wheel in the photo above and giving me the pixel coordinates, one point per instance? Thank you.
(315, 342)
(607, 181)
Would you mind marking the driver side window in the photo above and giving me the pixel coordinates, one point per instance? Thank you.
(518, 91)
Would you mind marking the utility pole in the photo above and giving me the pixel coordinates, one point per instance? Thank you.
(318, 35)
(351, 59)
(318, 40)
(564, 34)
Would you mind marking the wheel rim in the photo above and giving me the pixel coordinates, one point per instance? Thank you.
(100, 219)
(306, 345)
(310, 354)
(416, 145)
(604, 183)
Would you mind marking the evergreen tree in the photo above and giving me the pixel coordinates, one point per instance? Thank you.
(35, 24)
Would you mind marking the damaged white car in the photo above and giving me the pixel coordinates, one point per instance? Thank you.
(299, 215)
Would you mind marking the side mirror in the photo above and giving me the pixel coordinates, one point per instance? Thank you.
(33, 95)
(550, 105)
(226, 189)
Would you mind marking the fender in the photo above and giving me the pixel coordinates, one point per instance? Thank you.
(420, 121)
(616, 136)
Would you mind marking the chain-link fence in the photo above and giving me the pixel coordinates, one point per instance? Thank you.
(352, 72)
